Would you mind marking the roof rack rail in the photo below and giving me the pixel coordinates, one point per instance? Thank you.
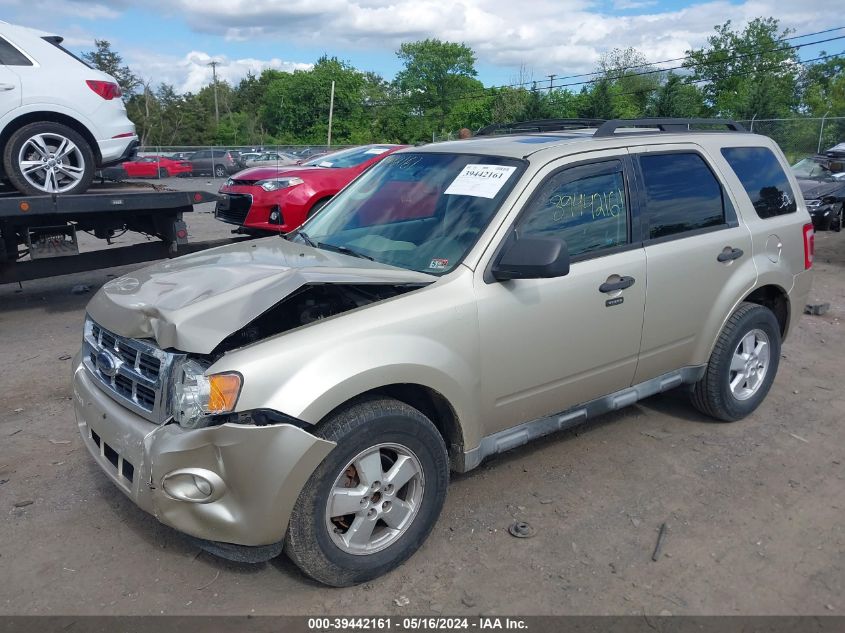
(538, 125)
(609, 128)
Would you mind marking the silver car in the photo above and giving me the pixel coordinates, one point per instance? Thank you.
(272, 159)
(453, 302)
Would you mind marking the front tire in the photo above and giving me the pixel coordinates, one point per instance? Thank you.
(836, 222)
(163, 173)
(47, 157)
(374, 499)
(742, 366)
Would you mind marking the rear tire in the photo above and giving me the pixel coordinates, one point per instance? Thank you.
(742, 366)
(392, 521)
(47, 157)
(220, 171)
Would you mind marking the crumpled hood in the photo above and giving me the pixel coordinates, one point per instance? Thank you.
(193, 302)
(813, 189)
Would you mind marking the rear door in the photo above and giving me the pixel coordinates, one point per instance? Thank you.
(10, 82)
(697, 250)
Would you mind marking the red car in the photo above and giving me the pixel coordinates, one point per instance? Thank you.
(279, 199)
(156, 167)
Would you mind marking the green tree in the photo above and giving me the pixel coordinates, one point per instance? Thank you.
(629, 80)
(748, 72)
(436, 73)
(105, 59)
(677, 98)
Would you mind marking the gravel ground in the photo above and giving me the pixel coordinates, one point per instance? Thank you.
(754, 509)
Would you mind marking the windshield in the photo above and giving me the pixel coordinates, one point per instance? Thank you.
(421, 211)
(809, 168)
(349, 157)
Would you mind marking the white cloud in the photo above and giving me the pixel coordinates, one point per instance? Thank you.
(192, 72)
(548, 35)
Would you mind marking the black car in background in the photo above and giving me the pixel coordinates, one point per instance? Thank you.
(822, 181)
(217, 162)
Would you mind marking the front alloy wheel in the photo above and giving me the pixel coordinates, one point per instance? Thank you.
(375, 497)
(48, 158)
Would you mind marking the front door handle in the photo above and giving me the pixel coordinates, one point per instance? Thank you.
(613, 286)
(7, 86)
(729, 254)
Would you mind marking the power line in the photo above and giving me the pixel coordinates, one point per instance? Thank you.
(486, 90)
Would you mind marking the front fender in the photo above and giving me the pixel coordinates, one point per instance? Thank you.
(358, 366)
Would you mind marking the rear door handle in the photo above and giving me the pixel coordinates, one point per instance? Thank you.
(729, 254)
(7, 86)
(613, 286)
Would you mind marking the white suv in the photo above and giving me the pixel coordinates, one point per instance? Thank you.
(60, 119)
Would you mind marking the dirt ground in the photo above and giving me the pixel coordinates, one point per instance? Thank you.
(755, 510)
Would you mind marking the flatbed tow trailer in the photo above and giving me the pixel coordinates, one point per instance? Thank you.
(44, 228)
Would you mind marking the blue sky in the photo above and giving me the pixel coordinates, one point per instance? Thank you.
(172, 40)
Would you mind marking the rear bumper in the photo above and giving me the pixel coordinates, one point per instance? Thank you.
(118, 150)
(258, 472)
(801, 286)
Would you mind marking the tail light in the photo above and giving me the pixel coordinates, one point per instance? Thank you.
(809, 246)
(108, 90)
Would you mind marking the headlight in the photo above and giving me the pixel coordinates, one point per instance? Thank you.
(274, 184)
(813, 204)
(197, 395)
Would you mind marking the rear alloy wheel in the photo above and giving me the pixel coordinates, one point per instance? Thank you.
(220, 171)
(374, 499)
(48, 158)
(742, 366)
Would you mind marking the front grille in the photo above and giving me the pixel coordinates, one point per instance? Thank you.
(135, 373)
(233, 208)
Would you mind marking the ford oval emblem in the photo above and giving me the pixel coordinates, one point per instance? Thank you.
(107, 364)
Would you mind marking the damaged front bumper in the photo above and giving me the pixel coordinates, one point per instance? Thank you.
(231, 483)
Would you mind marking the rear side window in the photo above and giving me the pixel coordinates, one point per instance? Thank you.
(682, 194)
(763, 179)
(56, 41)
(11, 56)
(584, 205)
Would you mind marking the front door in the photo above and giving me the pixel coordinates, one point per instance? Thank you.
(550, 344)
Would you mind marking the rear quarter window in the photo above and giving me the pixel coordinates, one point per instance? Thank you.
(11, 56)
(763, 179)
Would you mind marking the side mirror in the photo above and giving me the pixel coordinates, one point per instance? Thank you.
(532, 258)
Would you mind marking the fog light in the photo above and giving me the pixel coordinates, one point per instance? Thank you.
(194, 485)
(276, 215)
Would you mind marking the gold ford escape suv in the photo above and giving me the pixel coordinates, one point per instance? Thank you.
(312, 393)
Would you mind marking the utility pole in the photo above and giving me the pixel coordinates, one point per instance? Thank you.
(551, 81)
(214, 65)
(331, 111)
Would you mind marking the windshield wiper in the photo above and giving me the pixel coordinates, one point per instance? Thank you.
(308, 241)
(343, 249)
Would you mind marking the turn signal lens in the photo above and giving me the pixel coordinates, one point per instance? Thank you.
(224, 392)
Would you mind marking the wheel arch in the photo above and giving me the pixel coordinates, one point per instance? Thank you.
(775, 299)
(53, 117)
(428, 401)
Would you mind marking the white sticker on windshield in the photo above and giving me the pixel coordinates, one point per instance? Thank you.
(481, 181)
(325, 163)
(377, 150)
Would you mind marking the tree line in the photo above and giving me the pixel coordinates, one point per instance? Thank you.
(752, 72)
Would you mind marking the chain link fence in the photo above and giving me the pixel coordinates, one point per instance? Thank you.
(798, 136)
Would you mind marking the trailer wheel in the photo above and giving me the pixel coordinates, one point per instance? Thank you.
(47, 157)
